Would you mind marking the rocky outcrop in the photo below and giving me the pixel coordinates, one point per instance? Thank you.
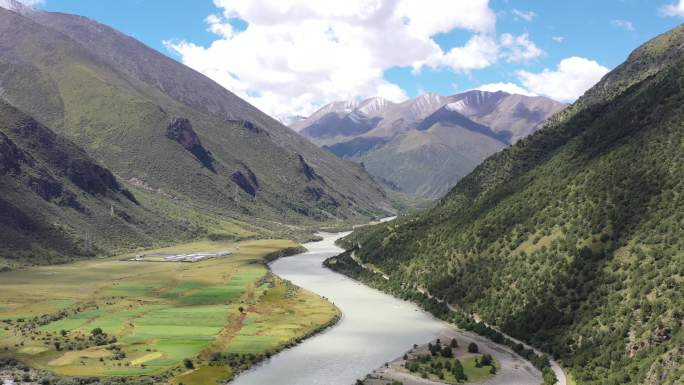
(68, 159)
(244, 182)
(10, 156)
(182, 132)
(251, 126)
(307, 170)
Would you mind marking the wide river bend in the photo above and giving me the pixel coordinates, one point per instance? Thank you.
(375, 327)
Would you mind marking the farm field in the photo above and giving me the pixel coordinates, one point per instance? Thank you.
(190, 323)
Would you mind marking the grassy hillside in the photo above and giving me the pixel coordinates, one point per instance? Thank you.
(200, 161)
(427, 163)
(59, 204)
(571, 239)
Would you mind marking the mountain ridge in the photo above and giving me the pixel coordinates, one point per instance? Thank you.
(376, 138)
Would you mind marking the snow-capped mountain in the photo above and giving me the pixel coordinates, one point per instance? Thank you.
(432, 129)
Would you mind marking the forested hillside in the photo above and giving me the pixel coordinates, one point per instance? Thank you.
(572, 239)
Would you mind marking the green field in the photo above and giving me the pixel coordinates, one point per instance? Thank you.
(154, 315)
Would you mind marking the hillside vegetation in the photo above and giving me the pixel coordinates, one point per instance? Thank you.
(198, 160)
(572, 239)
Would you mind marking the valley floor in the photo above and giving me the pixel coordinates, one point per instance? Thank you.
(178, 322)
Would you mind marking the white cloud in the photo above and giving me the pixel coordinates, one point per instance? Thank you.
(558, 39)
(527, 16)
(569, 81)
(511, 88)
(519, 48)
(624, 24)
(296, 55)
(676, 9)
(482, 50)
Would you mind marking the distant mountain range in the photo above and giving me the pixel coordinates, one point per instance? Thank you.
(190, 158)
(425, 145)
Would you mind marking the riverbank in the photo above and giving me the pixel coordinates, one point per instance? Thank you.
(511, 369)
(347, 264)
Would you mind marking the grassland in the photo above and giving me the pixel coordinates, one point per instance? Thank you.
(113, 318)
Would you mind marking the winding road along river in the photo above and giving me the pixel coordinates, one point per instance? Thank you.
(375, 328)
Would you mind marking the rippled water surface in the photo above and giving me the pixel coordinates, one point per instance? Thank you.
(375, 328)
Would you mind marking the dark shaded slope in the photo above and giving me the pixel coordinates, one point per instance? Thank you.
(572, 239)
(447, 117)
(57, 203)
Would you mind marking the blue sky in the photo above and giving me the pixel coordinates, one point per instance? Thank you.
(600, 32)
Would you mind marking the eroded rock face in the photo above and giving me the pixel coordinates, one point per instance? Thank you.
(307, 170)
(244, 183)
(71, 161)
(182, 132)
(248, 125)
(10, 156)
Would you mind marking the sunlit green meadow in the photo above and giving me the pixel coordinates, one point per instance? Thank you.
(154, 315)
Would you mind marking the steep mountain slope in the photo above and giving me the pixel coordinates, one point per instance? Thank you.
(571, 239)
(427, 162)
(56, 202)
(162, 126)
(468, 128)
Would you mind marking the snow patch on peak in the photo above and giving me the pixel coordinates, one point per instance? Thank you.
(458, 106)
(373, 106)
(343, 107)
(480, 97)
(426, 104)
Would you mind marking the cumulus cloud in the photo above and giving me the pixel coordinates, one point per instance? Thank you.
(623, 24)
(296, 55)
(675, 9)
(524, 15)
(572, 77)
(519, 48)
(511, 88)
(481, 51)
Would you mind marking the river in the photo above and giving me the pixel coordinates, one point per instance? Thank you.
(375, 327)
